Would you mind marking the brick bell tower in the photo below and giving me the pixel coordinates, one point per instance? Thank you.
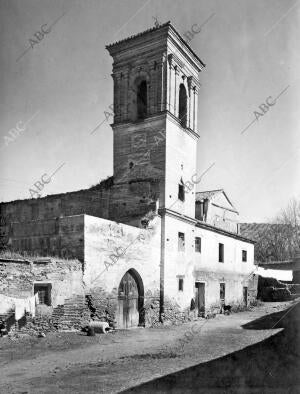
(156, 85)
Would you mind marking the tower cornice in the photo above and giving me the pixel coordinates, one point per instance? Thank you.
(154, 36)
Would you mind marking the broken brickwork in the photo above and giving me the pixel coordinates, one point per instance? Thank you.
(20, 279)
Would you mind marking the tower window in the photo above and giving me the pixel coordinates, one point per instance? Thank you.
(181, 192)
(221, 253)
(182, 105)
(244, 255)
(181, 243)
(142, 100)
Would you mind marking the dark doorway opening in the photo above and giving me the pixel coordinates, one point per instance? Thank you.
(44, 293)
(200, 298)
(245, 295)
(222, 294)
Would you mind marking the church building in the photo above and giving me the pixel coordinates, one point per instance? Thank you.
(142, 246)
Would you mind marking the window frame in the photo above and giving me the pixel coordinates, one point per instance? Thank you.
(180, 284)
(221, 252)
(181, 245)
(181, 192)
(199, 243)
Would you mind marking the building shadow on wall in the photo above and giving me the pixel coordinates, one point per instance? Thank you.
(270, 366)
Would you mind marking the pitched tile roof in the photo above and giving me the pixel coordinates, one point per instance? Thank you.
(152, 29)
(207, 194)
(139, 34)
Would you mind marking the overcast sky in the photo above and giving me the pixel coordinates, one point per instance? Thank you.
(56, 93)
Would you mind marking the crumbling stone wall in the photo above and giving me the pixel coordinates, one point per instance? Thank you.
(70, 315)
(67, 309)
(101, 305)
(17, 278)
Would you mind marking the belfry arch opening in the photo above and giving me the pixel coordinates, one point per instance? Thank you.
(141, 100)
(182, 105)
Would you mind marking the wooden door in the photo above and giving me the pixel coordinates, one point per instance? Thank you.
(200, 298)
(245, 295)
(222, 294)
(128, 302)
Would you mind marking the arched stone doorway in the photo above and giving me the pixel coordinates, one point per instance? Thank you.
(130, 301)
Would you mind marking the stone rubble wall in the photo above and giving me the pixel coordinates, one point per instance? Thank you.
(17, 278)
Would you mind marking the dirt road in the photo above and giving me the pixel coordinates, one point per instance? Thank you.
(75, 363)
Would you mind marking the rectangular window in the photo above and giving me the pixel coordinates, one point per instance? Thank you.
(244, 255)
(198, 244)
(221, 253)
(44, 293)
(222, 292)
(180, 192)
(181, 243)
(180, 284)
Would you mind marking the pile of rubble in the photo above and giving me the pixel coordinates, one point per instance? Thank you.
(151, 310)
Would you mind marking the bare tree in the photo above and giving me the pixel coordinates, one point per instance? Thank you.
(279, 239)
(286, 231)
(291, 217)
